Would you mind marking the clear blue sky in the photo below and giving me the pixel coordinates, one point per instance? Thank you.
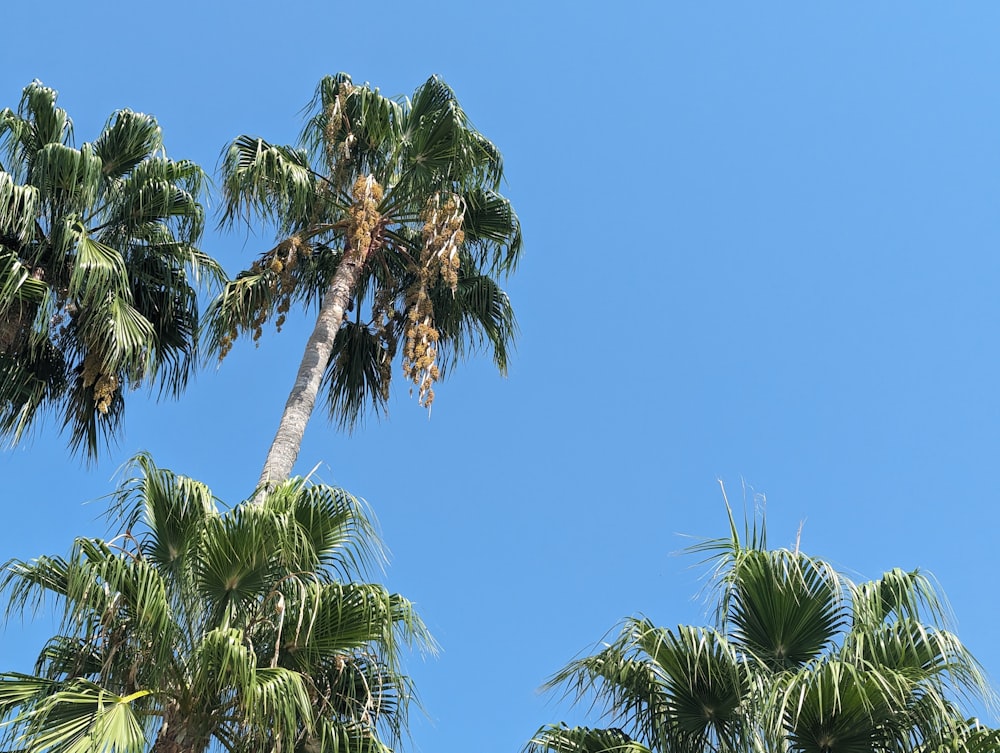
(761, 244)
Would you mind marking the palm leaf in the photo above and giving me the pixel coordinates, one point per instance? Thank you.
(75, 717)
(559, 738)
(270, 180)
(357, 376)
(127, 140)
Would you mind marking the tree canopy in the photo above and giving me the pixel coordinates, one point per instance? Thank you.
(800, 659)
(389, 218)
(198, 625)
(98, 260)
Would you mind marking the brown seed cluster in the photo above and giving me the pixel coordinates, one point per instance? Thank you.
(439, 259)
(277, 270)
(364, 215)
(420, 347)
(443, 237)
(338, 155)
(104, 384)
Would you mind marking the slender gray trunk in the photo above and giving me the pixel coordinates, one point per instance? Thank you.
(288, 439)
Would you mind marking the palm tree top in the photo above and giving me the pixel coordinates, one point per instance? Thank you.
(389, 218)
(194, 625)
(800, 658)
(98, 268)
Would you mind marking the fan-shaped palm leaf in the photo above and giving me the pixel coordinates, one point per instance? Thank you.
(559, 738)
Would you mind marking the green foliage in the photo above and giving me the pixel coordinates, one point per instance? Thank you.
(197, 624)
(801, 659)
(97, 253)
(420, 154)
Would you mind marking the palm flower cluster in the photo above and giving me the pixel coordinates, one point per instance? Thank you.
(801, 660)
(420, 347)
(102, 383)
(273, 280)
(443, 237)
(198, 627)
(439, 261)
(365, 220)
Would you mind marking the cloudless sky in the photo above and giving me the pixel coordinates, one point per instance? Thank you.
(761, 246)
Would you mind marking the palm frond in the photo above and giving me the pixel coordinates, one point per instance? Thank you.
(478, 315)
(19, 206)
(560, 738)
(269, 180)
(357, 376)
(329, 530)
(75, 717)
(126, 140)
(492, 231)
(839, 703)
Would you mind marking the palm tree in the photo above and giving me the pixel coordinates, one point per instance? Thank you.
(97, 248)
(197, 626)
(800, 659)
(389, 218)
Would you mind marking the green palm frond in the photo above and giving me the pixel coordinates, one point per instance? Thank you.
(477, 316)
(492, 231)
(73, 717)
(235, 563)
(707, 685)
(269, 180)
(19, 207)
(783, 608)
(357, 376)
(899, 594)
(623, 681)
(330, 530)
(559, 738)
(99, 272)
(277, 699)
(836, 705)
(674, 688)
(26, 584)
(908, 646)
(353, 130)
(127, 139)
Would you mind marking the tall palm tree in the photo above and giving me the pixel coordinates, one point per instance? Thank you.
(389, 218)
(198, 626)
(800, 659)
(97, 249)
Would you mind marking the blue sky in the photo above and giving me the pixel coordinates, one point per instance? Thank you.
(761, 246)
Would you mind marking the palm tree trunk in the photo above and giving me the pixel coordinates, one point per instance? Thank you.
(288, 439)
(175, 737)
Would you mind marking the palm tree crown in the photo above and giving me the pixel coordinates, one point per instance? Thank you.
(200, 626)
(97, 244)
(389, 217)
(800, 660)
